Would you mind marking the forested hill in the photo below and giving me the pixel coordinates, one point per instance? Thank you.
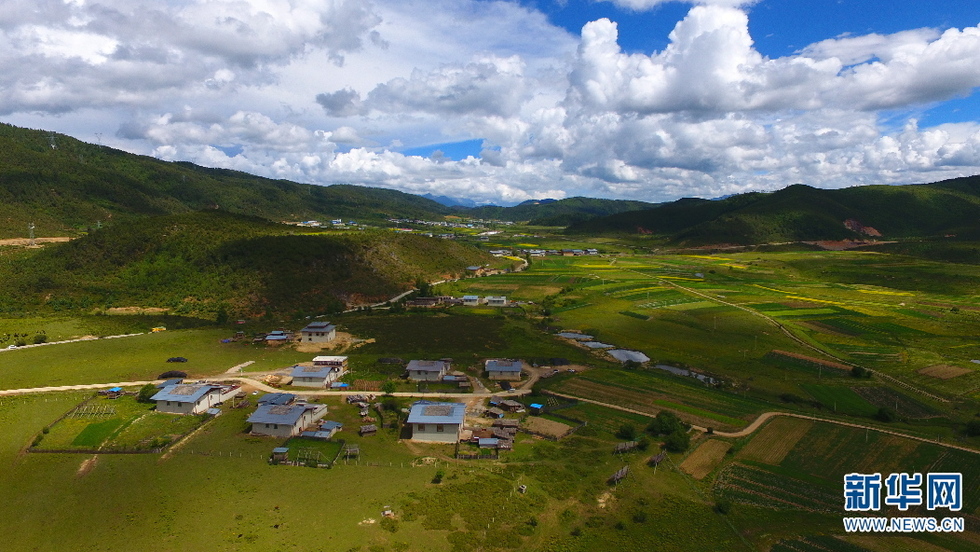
(800, 212)
(64, 185)
(206, 262)
(561, 212)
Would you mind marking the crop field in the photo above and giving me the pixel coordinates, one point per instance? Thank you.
(886, 397)
(838, 398)
(705, 458)
(775, 440)
(763, 488)
(643, 402)
(944, 371)
(116, 425)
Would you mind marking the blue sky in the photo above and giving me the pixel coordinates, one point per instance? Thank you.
(507, 100)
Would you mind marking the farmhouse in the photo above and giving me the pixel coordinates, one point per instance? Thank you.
(278, 420)
(436, 422)
(191, 398)
(318, 332)
(427, 370)
(325, 370)
(504, 369)
(497, 301)
(471, 301)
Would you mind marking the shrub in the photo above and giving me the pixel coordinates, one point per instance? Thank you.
(40, 338)
(973, 428)
(885, 414)
(627, 431)
(723, 506)
(146, 392)
(678, 441)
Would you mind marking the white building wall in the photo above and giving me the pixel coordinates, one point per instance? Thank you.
(430, 432)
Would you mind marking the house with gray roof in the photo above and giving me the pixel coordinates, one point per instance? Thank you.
(504, 369)
(285, 420)
(318, 332)
(188, 398)
(325, 370)
(437, 422)
(427, 370)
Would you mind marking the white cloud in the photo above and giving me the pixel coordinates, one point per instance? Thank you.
(322, 91)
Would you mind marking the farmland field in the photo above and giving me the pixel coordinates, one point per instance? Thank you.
(705, 458)
(776, 440)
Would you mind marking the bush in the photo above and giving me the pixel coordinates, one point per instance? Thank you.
(40, 338)
(678, 441)
(973, 428)
(666, 423)
(886, 414)
(627, 431)
(146, 392)
(723, 506)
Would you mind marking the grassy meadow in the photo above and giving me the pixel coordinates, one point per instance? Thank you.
(770, 329)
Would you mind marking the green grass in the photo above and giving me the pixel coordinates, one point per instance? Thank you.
(135, 359)
(838, 398)
(96, 433)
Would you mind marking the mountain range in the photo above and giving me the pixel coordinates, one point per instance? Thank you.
(801, 213)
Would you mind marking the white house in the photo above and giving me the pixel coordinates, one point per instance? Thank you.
(504, 369)
(427, 370)
(497, 301)
(325, 370)
(471, 300)
(318, 332)
(280, 420)
(436, 422)
(191, 398)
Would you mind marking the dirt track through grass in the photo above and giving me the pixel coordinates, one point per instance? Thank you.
(774, 442)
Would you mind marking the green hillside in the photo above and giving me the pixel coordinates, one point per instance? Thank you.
(559, 212)
(202, 262)
(74, 185)
(803, 213)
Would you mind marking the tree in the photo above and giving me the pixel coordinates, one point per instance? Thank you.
(388, 387)
(627, 431)
(221, 317)
(859, 372)
(973, 428)
(678, 441)
(146, 392)
(886, 414)
(40, 338)
(666, 423)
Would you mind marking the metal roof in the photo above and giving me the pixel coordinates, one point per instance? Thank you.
(623, 355)
(425, 412)
(504, 365)
(277, 398)
(279, 414)
(319, 327)
(427, 366)
(317, 372)
(190, 393)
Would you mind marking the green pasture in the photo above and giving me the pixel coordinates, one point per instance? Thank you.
(136, 358)
(838, 398)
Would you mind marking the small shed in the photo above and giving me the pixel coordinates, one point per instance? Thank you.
(280, 454)
(536, 408)
(488, 442)
(369, 429)
(494, 412)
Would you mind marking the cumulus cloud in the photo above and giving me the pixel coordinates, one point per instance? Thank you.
(61, 56)
(323, 91)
